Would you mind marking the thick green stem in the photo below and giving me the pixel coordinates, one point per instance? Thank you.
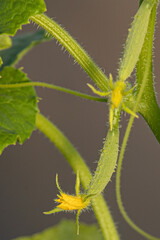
(75, 160)
(118, 175)
(74, 49)
(51, 86)
(125, 140)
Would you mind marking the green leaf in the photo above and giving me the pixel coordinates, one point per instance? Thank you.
(18, 108)
(66, 230)
(5, 41)
(148, 107)
(135, 39)
(21, 44)
(14, 13)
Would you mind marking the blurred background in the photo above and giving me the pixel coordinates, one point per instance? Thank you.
(27, 173)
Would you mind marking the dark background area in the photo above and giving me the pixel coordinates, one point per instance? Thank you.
(27, 173)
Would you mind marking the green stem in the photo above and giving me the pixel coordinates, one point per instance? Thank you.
(74, 49)
(118, 176)
(76, 162)
(51, 86)
(120, 161)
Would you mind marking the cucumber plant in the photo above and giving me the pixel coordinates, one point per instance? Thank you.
(20, 114)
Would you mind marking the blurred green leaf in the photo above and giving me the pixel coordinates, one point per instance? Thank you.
(140, 2)
(1, 62)
(66, 230)
(14, 13)
(18, 108)
(148, 107)
(21, 44)
(5, 41)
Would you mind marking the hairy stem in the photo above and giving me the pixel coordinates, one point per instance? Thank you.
(77, 163)
(74, 49)
(51, 86)
(120, 161)
(118, 175)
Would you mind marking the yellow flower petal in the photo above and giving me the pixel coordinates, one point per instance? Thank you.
(70, 202)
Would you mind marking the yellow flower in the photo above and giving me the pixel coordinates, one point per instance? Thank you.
(71, 202)
(117, 94)
(118, 97)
